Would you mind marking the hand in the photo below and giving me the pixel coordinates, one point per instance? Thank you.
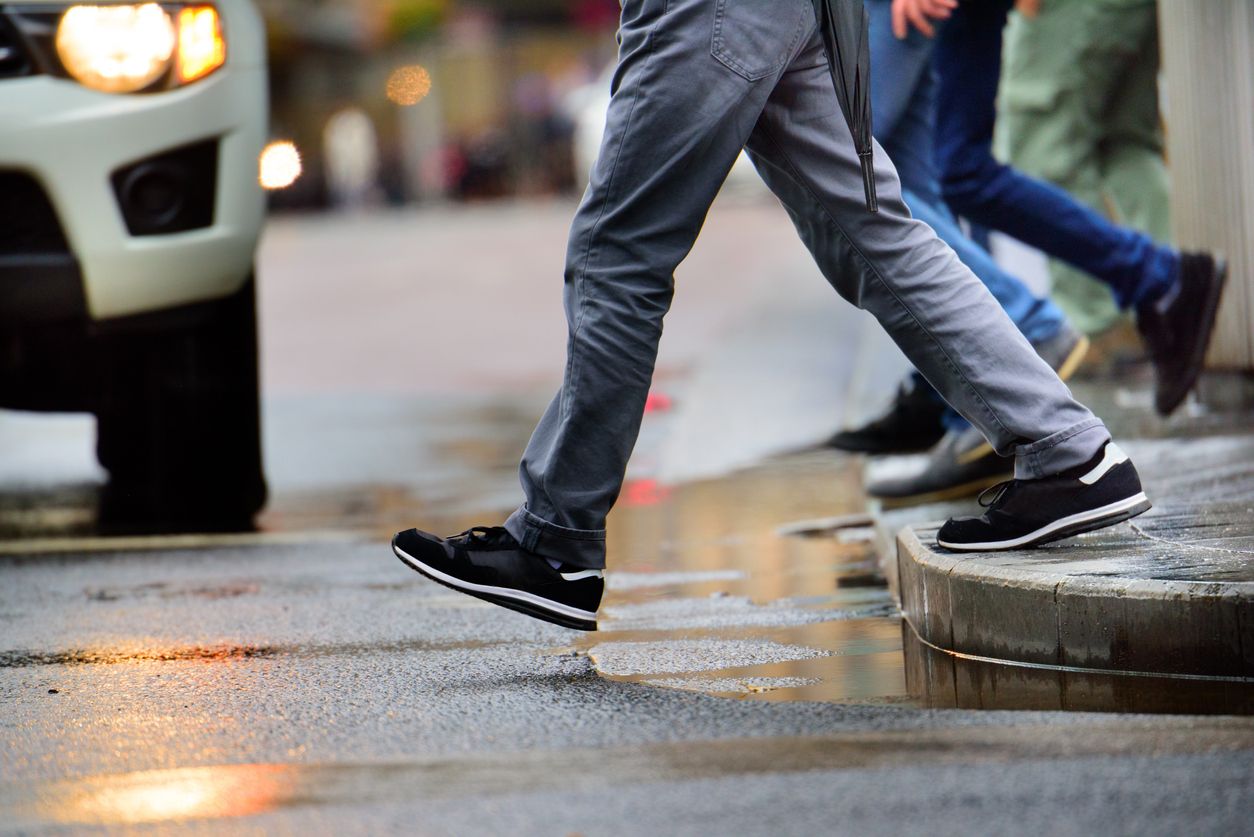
(1028, 8)
(920, 13)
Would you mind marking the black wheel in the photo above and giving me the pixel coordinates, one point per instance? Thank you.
(179, 421)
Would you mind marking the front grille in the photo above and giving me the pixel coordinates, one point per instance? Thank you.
(13, 59)
(28, 223)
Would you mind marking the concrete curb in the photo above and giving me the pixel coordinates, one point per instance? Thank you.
(1070, 629)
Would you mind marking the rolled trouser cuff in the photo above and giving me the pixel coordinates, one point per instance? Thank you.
(577, 547)
(1065, 449)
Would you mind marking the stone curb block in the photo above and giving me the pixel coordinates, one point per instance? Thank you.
(991, 605)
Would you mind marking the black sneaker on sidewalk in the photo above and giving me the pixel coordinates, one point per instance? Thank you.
(1177, 327)
(487, 563)
(911, 423)
(1026, 513)
(963, 464)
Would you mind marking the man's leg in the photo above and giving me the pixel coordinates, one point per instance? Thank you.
(944, 320)
(903, 104)
(1176, 295)
(676, 124)
(1124, 61)
(1078, 107)
(968, 60)
(693, 76)
(1044, 131)
(1070, 477)
(962, 463)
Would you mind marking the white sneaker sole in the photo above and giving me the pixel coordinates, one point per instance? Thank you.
(1085, 521)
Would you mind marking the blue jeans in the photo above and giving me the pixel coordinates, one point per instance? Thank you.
(903, 109)
(977, 186)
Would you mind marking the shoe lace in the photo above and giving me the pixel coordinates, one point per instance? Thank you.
(997, 490)
(481, 535)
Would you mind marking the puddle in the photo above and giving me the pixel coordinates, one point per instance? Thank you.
(624, 659)
(762, 585)
(780, 554)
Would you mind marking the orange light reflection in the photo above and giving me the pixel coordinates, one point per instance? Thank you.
(171, 795)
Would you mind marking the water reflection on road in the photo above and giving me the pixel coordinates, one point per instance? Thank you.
(155, 796)
(715, 587)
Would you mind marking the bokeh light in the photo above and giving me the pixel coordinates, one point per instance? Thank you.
(408, 85)
(279, 165)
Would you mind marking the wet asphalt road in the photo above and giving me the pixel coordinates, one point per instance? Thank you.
(325, 687)
(746, 680)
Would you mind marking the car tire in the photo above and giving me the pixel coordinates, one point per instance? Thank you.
(178, 423)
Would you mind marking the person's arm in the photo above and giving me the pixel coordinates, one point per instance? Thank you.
(920, 14)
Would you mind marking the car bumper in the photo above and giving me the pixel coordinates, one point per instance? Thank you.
(71, 140)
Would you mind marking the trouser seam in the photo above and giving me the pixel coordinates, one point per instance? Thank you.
(1031, 454)
(1058, 438)
(582, 287)
(874, 271)
(539, 523)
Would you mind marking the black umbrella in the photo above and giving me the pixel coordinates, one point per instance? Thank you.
(844, 27)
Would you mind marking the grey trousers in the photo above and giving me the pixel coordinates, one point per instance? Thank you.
(698, 80)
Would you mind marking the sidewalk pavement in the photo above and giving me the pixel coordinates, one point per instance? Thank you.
(1156, 614)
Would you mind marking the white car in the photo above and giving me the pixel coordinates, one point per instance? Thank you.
(130, 212)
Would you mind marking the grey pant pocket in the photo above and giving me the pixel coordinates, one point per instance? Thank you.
(756, 38)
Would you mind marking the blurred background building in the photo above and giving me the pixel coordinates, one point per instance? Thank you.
(401, 101)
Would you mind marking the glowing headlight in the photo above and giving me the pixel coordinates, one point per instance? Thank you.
(117, 49)
(125, 48)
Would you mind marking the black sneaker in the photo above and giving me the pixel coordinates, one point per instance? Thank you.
(1025, 513)
(1177, 327)
(487, 563)
(962, 465)
(911, 423)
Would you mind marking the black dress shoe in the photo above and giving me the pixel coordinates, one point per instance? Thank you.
(1026, 513)
(961, 465)
(1177, 327)
(487, 563)
(911, 423)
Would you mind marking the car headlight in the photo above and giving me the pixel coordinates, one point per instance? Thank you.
(126, 48)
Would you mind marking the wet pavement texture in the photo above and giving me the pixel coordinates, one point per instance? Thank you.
(326, 686)
(748, 677)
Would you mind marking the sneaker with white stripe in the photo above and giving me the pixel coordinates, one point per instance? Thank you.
(487, 563)
(1026, 513)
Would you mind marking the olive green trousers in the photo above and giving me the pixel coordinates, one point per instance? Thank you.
(1078, 106)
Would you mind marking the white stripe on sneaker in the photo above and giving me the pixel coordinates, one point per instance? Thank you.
(504, 592)
(583, 574)
(1113, 456)
(1083, 517)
